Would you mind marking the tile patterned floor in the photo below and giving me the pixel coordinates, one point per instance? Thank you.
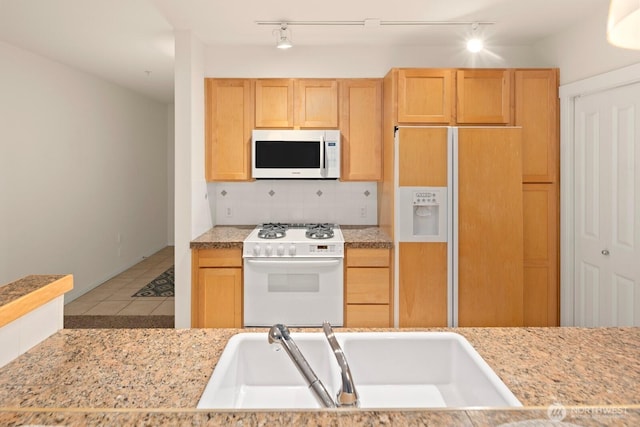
(114, 297)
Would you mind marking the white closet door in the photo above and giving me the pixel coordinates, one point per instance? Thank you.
(607, 208)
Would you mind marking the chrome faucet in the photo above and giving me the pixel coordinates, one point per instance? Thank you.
(280, 334)
(347, 396)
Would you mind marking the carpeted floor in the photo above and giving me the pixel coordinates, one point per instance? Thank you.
(112, 322)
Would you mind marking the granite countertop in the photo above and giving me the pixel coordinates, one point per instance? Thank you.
(18, 289)
(230, 236)
(356, 236)
(24, 295)
(222, 237)
(156, 376)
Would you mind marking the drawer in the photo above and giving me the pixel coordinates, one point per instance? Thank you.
(367, 316)
(357, 257)
(230, 257)
(367, 285)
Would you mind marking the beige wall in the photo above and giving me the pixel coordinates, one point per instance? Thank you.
(82, 161)
(582, 51)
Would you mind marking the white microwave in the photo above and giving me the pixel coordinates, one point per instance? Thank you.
(292, 154)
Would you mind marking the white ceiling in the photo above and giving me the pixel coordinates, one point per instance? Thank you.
(130, 42)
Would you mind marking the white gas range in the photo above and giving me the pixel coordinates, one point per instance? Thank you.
(293, 274)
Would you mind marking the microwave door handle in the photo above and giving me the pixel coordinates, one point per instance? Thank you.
(323, 154)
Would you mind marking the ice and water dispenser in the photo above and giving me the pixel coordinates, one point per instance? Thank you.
(423, 214)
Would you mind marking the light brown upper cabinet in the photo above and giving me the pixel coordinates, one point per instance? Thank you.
(296, 103)
(316, 103)
(228, 125)
(536, 101)
(274, 103)
(484, 96)
(361, 129)
(425, 95)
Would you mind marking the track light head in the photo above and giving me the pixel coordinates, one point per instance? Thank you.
(283, 35)
(475, 43)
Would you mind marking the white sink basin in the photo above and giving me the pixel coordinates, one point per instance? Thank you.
(390, 370)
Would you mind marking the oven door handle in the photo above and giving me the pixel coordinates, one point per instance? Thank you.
(292, 263)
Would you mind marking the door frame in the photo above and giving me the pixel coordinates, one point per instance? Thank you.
(568, 93)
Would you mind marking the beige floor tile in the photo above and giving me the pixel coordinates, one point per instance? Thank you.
(98, 294)
(107, 308)
(140, 308)
(113, 284)
(116, 294)
(166, 308)
(123, 295)
(76, 308)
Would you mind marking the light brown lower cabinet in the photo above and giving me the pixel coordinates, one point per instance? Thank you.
(368, 288)
(541, 285)
(423, 284)
(216, 288)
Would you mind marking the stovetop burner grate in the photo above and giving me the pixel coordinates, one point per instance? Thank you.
(316, 231)
(319, 231)
(273, 231)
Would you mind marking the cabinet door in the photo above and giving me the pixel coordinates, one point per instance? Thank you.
(368, 316)
(425, 96)
(368, 288)
(220, 298)
(228, 125)
(368, 257)
(367, 285)
(361, 129)
(536, 101)
(490, 229)
(423, 158)
(423, 284)
(274, 103)
(484, 96)
(541, 287)
(316, 103)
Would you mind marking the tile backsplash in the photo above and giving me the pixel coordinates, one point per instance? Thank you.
(346, 203)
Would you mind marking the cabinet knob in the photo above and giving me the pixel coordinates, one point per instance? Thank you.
(605, 252)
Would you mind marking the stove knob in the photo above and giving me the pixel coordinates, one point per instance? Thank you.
(292, 250)
(256, 250)
(280, 250)
(268, 250)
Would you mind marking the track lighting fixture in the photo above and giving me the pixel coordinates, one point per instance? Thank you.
(283, 33)
(282, 37)
(475, 43)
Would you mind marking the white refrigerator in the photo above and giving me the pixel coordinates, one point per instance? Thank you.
(458, 226)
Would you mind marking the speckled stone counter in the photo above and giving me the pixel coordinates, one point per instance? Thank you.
(222, 237)
(24, 295)
(367, 237)
(155, 376)
(228, 236)
(21, 287)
